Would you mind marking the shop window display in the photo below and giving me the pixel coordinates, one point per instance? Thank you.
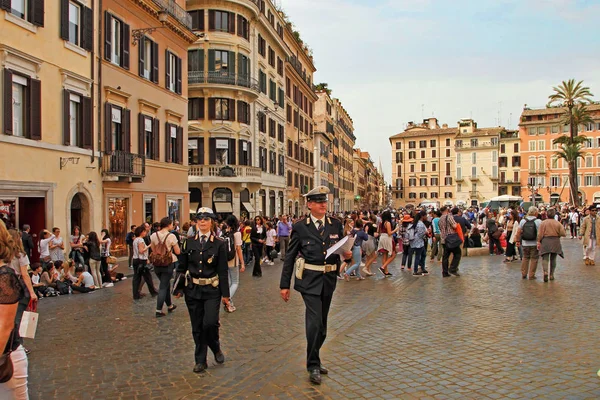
(118, 209)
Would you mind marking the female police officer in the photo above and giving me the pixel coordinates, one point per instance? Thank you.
(203, 279)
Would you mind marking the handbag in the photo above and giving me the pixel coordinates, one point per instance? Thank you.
(29, 322)
(497, 233)
(6, 365)
(453, 241)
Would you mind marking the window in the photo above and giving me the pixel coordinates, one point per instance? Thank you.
(262, 46)
(116, 41)
(423, 167)
(173, 72)
(148, 141)
(423, 195)
(448, 181)
(516, 148)
(432, 143)
(566, 128)
(542, 130)
(448, 142)
(272, 91)
(541, 145)
(422, 144)
(195, 108)
(502, 148)
(423, 154)
(459, 187)
(412, 155)
(118, 137)
(554, 162)
(494, 156)
(458, 173)
(271, 57)
(589, 161)
(280, 133)
(197, 19)
(494, 171)
(423, 182)
(589, 180)
(412, 144)
(77, 126)
(532, 145)
(473, 172)
(412, 167)
(434, 153)
(29, 10)
(589, 143)
(221, 152)
(74, 23)
(555, 181)
(148, 59)
(473, 158)
(458, 143)
(243, 28)
(434, 167)
(474, 142)
(555, 129)
(412, 195)
(262, 81)
(196, 151)
(22, 106)
(532, 164)
(398, 145)
(398, 157)
(243, 112)
(447, 152)
(434, 181)
(222, 21)
(532, 131)
(222, 109)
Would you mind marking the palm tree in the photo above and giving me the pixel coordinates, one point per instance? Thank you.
(571, 151)
(571, 95)
(580, 116)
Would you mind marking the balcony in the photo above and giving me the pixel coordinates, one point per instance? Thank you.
(481, 145)
(224, 78)
(174, 10)
(474, 178)
(224, 173)
(460, 179)
(475, 194)
(123, 166)
(494, 178)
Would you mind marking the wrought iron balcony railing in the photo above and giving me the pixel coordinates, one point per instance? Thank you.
(125, 164)
(176, 12)
(223, 78)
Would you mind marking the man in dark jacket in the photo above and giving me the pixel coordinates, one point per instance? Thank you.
(27, 240)
(464, 225)
(316, 275)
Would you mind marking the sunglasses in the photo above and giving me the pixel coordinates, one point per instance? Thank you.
(205, 219)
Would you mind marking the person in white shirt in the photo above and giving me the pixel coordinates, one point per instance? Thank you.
(44, 247)
(574, 222)
(270, 242)
(56, 246)
(85, 281)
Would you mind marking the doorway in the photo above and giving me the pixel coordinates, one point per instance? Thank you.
(32, 211)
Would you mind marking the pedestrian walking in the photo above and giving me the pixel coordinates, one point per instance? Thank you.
(316, 276)
(92, 245)
(141, 272)
(573, 221)
(284, 228)
(451, 241)
(436, 247)
(359, 237)
(590, 233)
(418, 236)
(258, 236)
(527, 239)
(236, 264)
(165, 248)
(203, 277)
(129, 242)
(386, 243)
(549, 243)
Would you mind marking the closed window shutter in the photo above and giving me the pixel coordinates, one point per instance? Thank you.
(250, 153)
(156, 139)
(232, 160)
(211, 60)
(231, 63)
(141, 134)
(201, 108)
(242, 158)
(191, 106)
(37, 8)
(64, 19)
(108, 35)
(240, 26)
(212, 151)
(126, 130)
(154, 62)
(66, 117)
(5, 5)
(178, 75)
(7, 102)
(180, 145)
(125, 44)
(211, 20)
(35, 116)
(231, 109)
(87, 127)
(232, 23)
(167, 142)
(201, 151)
(107, 128)
(87, 30)
(141, 58)
(211, 108)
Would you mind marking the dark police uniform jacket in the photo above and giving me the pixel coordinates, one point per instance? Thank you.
(306, 242)
(203, 262)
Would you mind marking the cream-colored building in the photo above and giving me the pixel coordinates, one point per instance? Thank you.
(143, 113)
(299, 129)
(509, 163)
(343, 155)
(360, 179)
(324, 140)
(49, 169)
(423, 164)
(237, 117)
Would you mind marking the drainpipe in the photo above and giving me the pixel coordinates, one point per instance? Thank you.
(93, 89)
(99, 84)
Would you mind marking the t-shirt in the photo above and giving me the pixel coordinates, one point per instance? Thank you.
(284, 228)
(56, 253)
(538, 222)
(271, 234)
(237, 241)
(35, 279)
(436, 225)
(88, 280)
(105, 250)
(574, 217)
(77, 240)
(136, 249)
(18, 262)
(246, 234)
(44, 248)
(171, 240)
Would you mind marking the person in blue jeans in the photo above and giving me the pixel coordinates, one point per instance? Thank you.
(359, 236)
(417, 243)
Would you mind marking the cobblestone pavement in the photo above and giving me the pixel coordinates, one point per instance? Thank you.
(487, 334)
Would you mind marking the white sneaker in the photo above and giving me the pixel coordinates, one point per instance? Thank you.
(123, 278)
(104, 284)
(110, 284)
(362, 264)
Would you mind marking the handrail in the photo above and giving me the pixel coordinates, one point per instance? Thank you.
(223, 78)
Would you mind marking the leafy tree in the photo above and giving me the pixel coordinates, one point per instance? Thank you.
(573, 96)
(570, 151)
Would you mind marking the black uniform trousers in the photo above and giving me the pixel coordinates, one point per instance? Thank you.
(317, 309)
(204, 316)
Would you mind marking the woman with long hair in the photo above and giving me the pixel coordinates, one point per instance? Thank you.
(359, 237)
(104, 254)
(141, 273)
(92, 245)
(258, 236)
(236, 265)
(370, 246)
(348, 228)
(77, 248)
(10, 342)
(386, 244)
(164, 273)
(548, 242)
(512, 224)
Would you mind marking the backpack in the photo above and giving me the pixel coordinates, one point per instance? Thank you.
(529, 230)
(410, 232)
(230, 244)
(161, 255)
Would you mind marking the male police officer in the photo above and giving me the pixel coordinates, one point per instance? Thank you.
(316, 276)
(203, 278)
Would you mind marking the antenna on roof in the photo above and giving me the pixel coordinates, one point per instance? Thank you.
(422, 111)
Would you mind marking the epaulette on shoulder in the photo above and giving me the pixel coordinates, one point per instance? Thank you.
(216, 237)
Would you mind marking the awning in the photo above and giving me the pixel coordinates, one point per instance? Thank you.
(222, 208)
(194, 207)
(248, 207)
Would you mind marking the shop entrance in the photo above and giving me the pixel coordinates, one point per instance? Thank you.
(32, 211)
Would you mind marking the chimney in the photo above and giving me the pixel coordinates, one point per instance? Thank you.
(445, 126)
(433, 123)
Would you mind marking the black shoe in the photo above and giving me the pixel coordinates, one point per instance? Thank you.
(160, 314)
(199, 368)
(315, 376)
(219, 357)
(455, 273)
(323, 370)
(545, 278)
(416, 274)
(425, 272)
(154, 294)
(388, 274)
(446, 275)
(172, 308)
(524, 276)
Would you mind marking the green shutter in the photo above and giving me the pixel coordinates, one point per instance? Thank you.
(232, 70)
(211, 60)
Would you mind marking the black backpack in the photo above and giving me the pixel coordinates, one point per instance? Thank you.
(230, 243)
(529, 230)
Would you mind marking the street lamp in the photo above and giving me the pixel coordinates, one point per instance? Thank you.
(138, 34)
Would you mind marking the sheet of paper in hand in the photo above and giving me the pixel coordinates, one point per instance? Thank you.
(341, 247)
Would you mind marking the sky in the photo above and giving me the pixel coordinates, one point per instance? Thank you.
(395, 61)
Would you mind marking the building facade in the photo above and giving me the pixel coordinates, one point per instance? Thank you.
(423, 164)
(343, 158)
(477, 172)
(509, 164)
(325, 140)
(237, 118)
(143, 97)
(545, 177)
(49, 169)
(300, 102)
